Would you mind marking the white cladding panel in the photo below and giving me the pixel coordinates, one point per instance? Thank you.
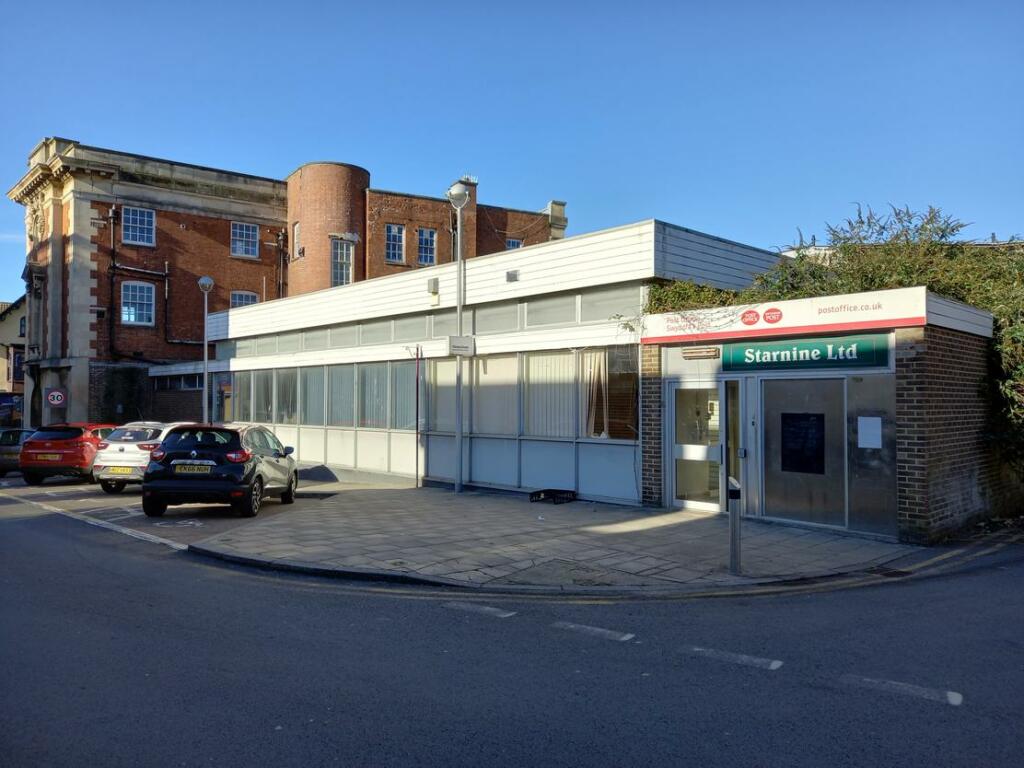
(617, 255)
(683, 254)
(958, 316)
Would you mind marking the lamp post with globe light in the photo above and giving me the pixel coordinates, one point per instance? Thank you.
(458, 195)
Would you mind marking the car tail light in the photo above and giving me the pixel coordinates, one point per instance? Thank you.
(157, 454)
(238, 457)
(103, 445)
(147, 446)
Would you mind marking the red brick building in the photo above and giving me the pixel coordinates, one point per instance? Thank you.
(116, 243)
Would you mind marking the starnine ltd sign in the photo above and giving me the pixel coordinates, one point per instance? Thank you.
(865, 351)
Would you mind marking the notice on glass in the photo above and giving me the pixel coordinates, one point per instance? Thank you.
(869, 431)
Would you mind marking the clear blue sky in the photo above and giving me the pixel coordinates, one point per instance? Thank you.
(743, 119)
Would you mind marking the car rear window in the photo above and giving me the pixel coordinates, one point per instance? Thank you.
(201, 438)
(10, 437)
(134, 434)
(57, 433)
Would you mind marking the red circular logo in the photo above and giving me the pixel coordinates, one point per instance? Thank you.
(750, 317)
(772, 315)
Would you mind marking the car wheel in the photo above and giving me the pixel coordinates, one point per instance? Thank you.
(250, 506)
(112, 486)
(154, 507)
(288, 497)
(31, 478)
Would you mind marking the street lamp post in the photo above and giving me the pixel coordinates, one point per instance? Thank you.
(206, 285)
(458, 196)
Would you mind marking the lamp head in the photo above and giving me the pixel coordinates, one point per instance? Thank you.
(205, 283)
(458, 195)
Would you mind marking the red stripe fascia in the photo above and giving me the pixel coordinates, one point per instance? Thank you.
(902, 322)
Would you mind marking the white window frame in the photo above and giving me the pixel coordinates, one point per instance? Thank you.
(419, 246)
(152, 290)
(233, 305)
(339, 244)
(389, 229)
(512, 243)
(296, 245)
(124, 217)
(245, 240)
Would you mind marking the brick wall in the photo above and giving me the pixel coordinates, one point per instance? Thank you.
(177, 405)
(119, 392)
(383, 208)
(948, 471)
(651, 417)
(191, 245)
(496, 225)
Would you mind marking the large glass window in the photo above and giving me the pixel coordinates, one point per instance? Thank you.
(394, 243)
(551, 310)
(495, 318)
(263, 397)
(138, 302)
(266, 345)
(289, 342)
(549, 398)
(341, 262)
(287, 388)
(373, 395)
(344, 336)
(242, 395)
(412, 328)
(245, 347)
(375, 332)
(224, 350)
(245, 240)
(314, 339)
(311, 395)
(223, 398)
(442, 395)
(444, 324)
(427, 245)
(341, 395)
(138, 226)
(496, 395)
(610, 303)
(609, 388)
(403, 395)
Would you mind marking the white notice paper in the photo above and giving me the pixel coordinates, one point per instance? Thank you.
(869, 431)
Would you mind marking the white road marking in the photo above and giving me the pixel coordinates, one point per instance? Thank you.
(607, 634)
(734, 658)
(487, 610)
(893, 686)
(142, 535)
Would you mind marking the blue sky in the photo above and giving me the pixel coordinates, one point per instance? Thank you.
(746, 120)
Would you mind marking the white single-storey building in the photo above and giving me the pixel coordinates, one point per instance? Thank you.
(827, 411)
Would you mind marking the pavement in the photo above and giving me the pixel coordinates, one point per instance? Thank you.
(502, 541)
(117, 652)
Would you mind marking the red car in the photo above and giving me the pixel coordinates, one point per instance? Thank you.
(61, 449)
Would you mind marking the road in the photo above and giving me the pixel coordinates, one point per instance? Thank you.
(119, 652)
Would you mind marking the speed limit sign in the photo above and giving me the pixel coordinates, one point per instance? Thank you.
(56, 397)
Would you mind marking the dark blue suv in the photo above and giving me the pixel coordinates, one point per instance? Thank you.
(236, 464)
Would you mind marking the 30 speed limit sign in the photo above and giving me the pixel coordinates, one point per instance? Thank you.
(56, 397)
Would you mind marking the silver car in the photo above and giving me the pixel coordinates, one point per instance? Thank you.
(123, 456)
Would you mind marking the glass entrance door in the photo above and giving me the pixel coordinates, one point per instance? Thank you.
(697, 446)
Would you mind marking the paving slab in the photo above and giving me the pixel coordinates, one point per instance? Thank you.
(502, 540)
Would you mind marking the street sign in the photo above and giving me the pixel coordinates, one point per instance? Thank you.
(57, 398)
(462, 345)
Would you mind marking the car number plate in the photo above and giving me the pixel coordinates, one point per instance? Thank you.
(191, 469)
(48, 456)
(119, 470)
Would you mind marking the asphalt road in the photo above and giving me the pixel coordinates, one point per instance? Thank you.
(119, 652)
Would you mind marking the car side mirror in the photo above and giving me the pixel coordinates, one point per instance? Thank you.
(288, 450)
